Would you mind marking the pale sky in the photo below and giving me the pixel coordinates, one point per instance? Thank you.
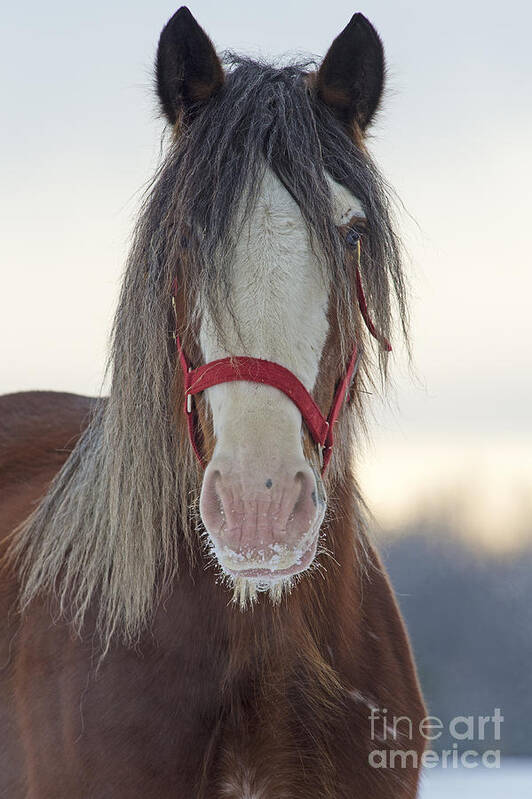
(80, 137)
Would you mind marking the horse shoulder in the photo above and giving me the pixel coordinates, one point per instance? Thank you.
(38, 431)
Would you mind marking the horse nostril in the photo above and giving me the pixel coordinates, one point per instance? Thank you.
(211, 503)
(220, 505)
(305, 505)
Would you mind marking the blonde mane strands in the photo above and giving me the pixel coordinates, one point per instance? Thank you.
(110, 529)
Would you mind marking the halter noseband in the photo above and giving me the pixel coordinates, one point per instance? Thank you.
(258, 370)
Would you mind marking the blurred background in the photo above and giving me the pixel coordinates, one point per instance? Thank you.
(448, 470)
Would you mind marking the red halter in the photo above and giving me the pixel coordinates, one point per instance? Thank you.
(257, 370)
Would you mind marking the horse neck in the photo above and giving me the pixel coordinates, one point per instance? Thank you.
(317, 609)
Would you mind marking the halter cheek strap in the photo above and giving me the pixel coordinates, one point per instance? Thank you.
(257, 370)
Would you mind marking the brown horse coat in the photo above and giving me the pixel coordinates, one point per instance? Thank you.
(271, 703)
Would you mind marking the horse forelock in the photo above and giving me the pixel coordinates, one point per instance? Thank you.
(121, 512)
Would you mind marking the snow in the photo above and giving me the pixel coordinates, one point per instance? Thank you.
(512, 781)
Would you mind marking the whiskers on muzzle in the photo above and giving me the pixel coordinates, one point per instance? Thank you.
(258, 556)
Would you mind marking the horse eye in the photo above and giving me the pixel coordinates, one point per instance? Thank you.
(352, 237)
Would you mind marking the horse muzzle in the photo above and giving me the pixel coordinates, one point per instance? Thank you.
(262, 526)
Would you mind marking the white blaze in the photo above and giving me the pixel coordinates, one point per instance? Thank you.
(280, 295)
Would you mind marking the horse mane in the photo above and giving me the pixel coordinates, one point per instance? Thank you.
(121, 512)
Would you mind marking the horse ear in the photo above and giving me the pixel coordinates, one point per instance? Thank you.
(351, 78)
(187, 68)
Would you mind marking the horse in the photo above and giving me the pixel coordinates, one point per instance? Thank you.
(192, 603)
